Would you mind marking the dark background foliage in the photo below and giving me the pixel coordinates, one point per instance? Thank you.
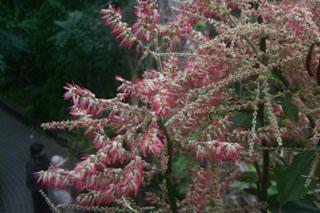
(45, 44)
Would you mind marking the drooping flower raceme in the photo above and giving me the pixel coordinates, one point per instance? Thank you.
(208, 65)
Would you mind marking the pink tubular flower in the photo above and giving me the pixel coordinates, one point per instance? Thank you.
(198, 192)
(163, 102)
(147, 19)
(121, 30)
(202, 154)
(99, 140)
(83, 101)
(146, 87)
(277, 109)
(113, 153)
(125, 88)
(55, 178)
(232, 151)
(150, 142)
(133, 175)
(216, 100)
(293, 134)
(216, 150)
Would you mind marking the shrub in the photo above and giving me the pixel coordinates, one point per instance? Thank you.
(241, 98)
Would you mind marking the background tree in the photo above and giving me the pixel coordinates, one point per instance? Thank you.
(46, 43)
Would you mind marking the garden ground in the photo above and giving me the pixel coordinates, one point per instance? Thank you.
(14, 152)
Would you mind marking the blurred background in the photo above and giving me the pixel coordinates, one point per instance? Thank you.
(45, 44)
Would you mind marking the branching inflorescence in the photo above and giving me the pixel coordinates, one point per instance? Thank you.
(186, 102)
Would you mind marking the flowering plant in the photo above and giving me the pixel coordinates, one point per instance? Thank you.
(232, 84)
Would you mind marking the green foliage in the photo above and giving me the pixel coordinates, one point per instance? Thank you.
(12, 46)
(78, 145)
(291, 181)
(3, 65)
(180, 164)
(248, 177)
(88, 53)
(290, 110)
(3, 68)
(60, 41)
(179, 168)
(242, 119)
(305, 205)
(46, 44)
(67, 27)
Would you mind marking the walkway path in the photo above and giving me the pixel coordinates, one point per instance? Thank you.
(14, 152)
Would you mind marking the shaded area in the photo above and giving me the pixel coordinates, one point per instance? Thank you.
(50, 43)
(14, 152)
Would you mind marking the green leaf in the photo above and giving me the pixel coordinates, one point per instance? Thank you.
(248, 177)
(11, 45)
(184, 182)
(180, 164)
(290, 110)
(302, 206)
(253, 19)
(236, 12)
(277, 75)
(291, 181)
(239, 89)
(203, 91)
(243, 120)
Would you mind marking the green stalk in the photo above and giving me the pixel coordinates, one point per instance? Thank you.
(264, 179)
(168, 174)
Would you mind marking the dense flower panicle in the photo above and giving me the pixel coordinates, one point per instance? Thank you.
(125, 88)
(208, 65)
(294, 130)
(83, 101)
(198, 193)
(216, 150)
(161, 105)
(147, 19)
(165, 101)
(55, 178)
(121, 30)
(151, 142)
(103, 180)
(75, 92)
(146, 87)
(94, 198)
(296, 17)
(133, 173)
(113, 153)
(277, 110)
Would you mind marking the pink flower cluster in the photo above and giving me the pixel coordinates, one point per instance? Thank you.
(185, 100)
(151, 142)
(211, 150)
(105, 184)
(121, 31)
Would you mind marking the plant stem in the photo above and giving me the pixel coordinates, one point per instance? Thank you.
(265, 175)
(256, 165)
(168, 174)
(264, 179)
